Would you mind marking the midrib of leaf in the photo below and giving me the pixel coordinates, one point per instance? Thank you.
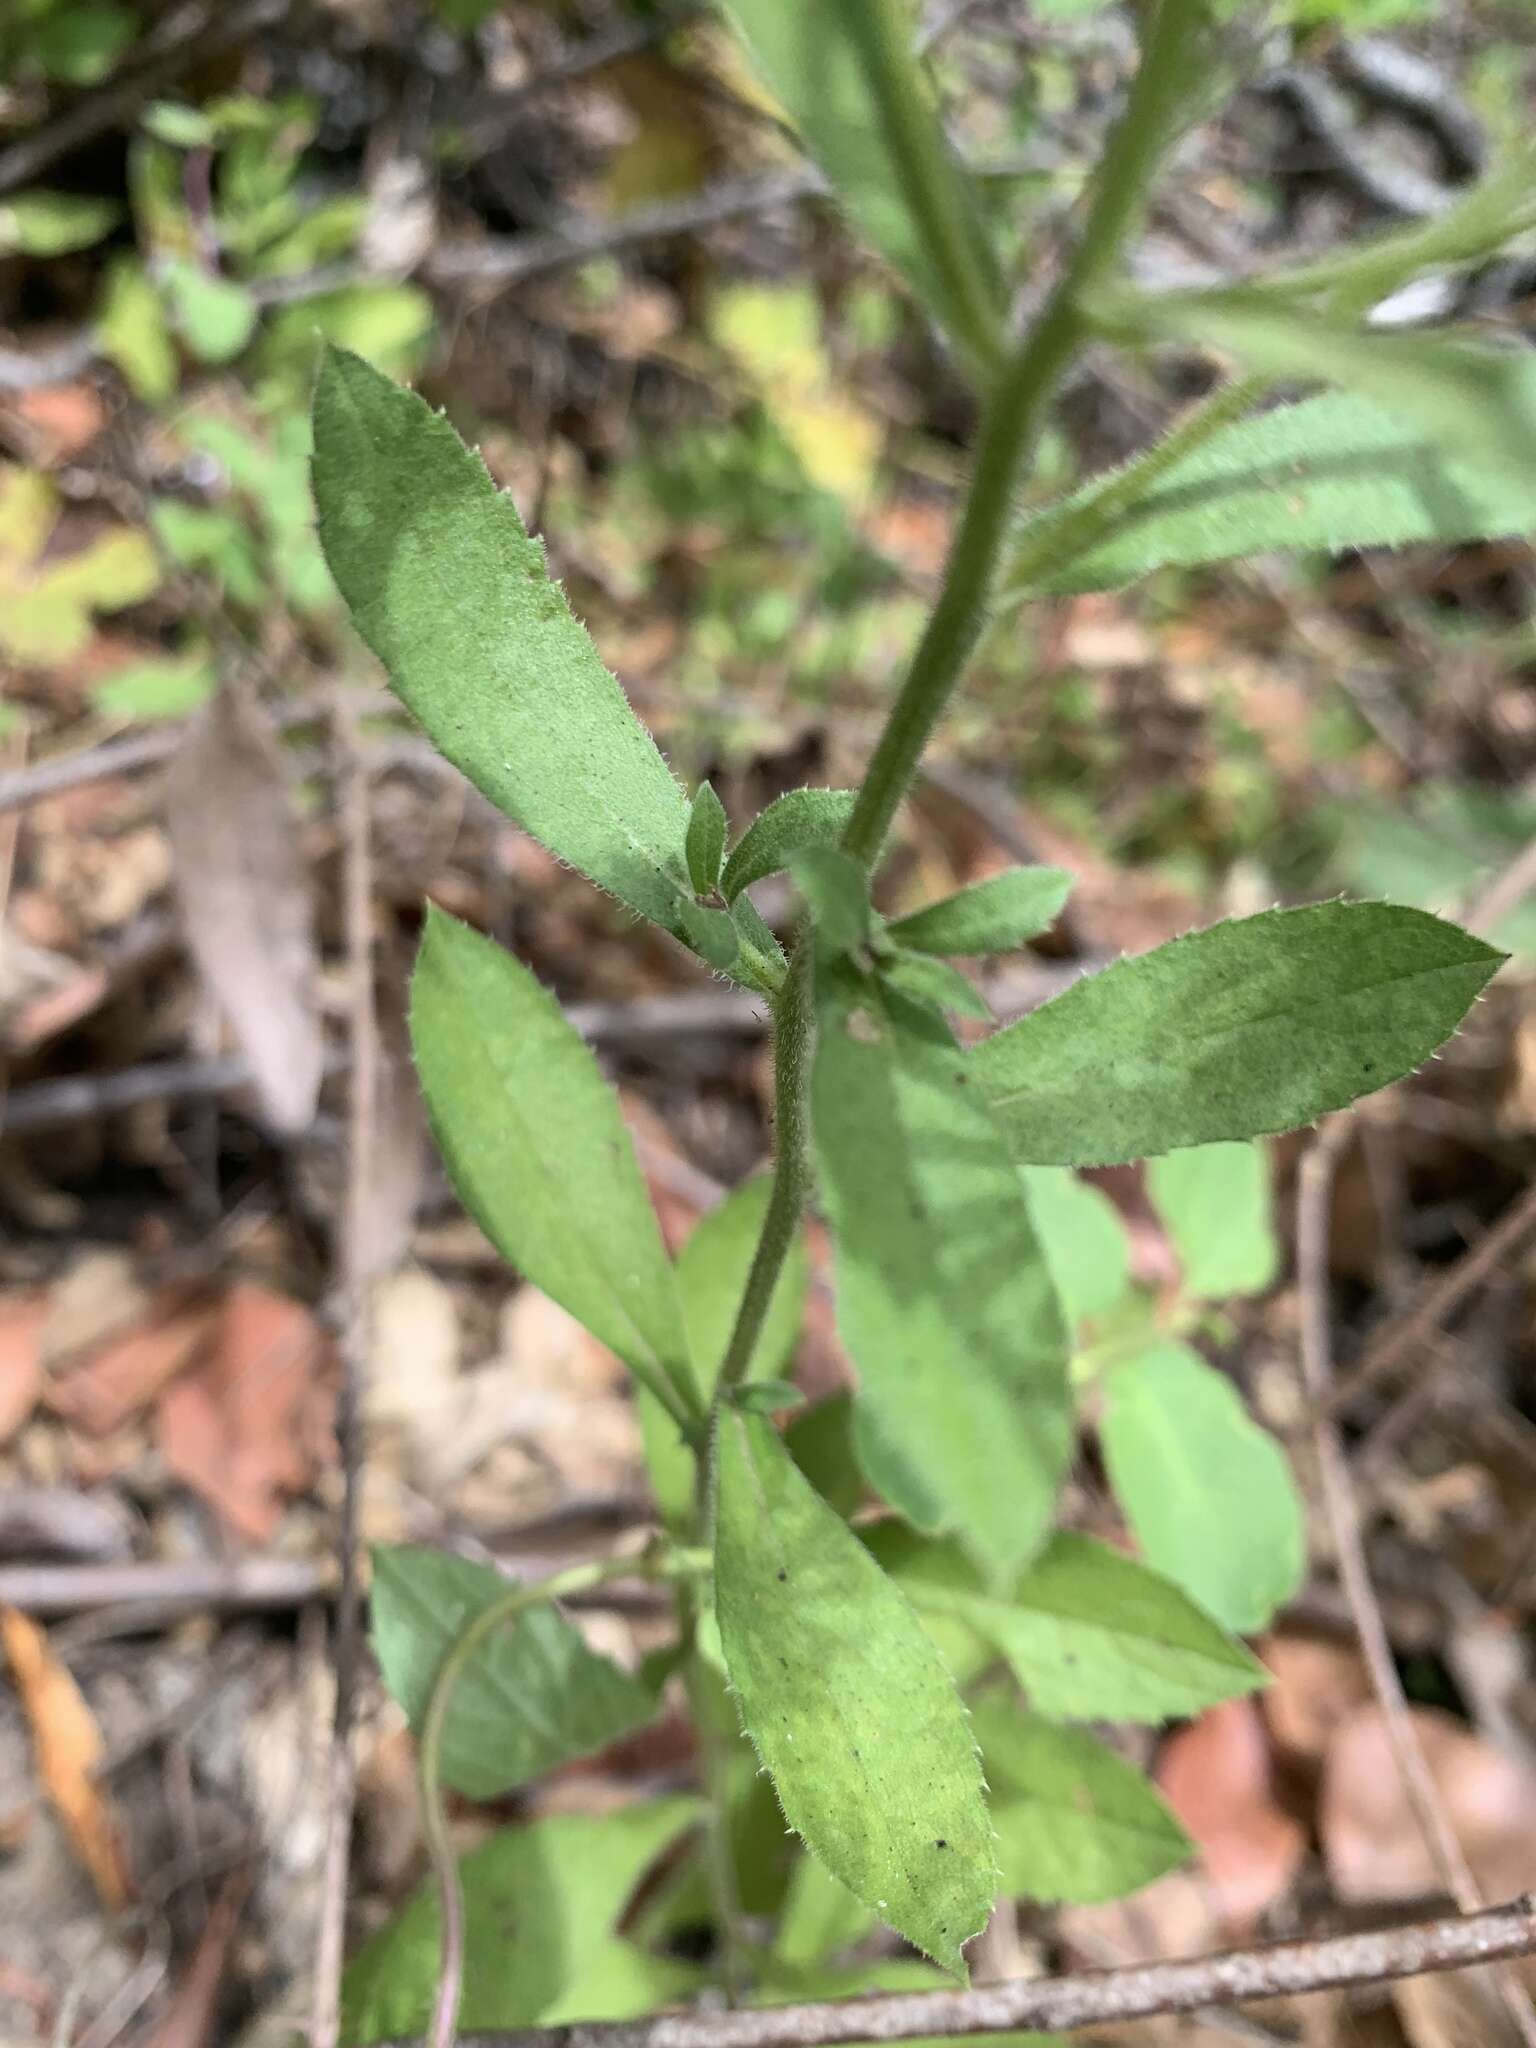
(574, 1224)
(593, 791)
(1001, 1097)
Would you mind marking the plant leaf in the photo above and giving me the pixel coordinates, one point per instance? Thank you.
(1075, 1824)
(247, 898)
(846, 1700)
(820, 1916)
(705, 844)
(993, 916)
(934, 982)
(799, 818)
(43, 223)
(836, 894)
(1253, 1026)
(1330, 473)
(532, 1697)
(1208, 1493)
(712, 1270)
(943, 1298)
(538, 1150)
(1083, 1239)
(809, 57)
(540, 1906)
(1215, 1201)
(1089, 1634)
(1470, 397)
(454, 598)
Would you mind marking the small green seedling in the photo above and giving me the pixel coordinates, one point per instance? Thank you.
(887, 1669)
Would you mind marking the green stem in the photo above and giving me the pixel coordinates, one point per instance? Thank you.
(714, 1776)
(931, 183)
(1060, 536)
(791, 1172)
(1014, 416)
(581, 1578)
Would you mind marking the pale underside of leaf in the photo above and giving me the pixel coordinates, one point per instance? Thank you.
(538, 1150)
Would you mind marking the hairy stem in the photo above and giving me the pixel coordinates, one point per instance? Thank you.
(581, 1578)
(1015, 414)
(791, 1173)
(930, 185)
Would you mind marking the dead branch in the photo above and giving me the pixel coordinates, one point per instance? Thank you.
(1090, 1998)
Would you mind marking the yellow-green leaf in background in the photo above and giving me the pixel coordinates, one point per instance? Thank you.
(46, 605)
(772, 333)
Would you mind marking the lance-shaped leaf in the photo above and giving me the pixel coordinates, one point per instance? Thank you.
(538, 1151)
(1088, 1633)
(1468, 396)
(846, 1700)
(993, 916)
(933, 982)
(1251, 1027)
(540, 1906)
(531, 1697)
(836, 893)
(1215, 1202)
(814, 59)
(1075, 1824)
(1333, 472)
(798, 819)
(943, 1297)
(705, 844)
(453, 596)
(1208, 1493)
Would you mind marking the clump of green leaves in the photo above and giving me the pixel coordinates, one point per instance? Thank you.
(871, 1592)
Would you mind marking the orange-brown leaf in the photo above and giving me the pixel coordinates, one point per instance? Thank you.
(67, 1745)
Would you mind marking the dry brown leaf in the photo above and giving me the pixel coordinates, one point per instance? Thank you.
(98, 1297)
(1370, 1838)
(246, 899)
(1316, 1685)
(1460, 2011)
(247, 1427)
(1216, 1776)
(22, 1317)
(127, 1372)
(398, 1153)
(68, 1746)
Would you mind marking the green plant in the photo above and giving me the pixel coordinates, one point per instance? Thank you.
(980, 1285)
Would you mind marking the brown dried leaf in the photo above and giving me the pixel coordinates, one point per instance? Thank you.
(246, 1429)
(1461, 2011)
(127, 1372)
(68, 1746)
(397, 1163)
(21, 1359)
(1216, 1776)
(1317, 1685)
(246, 899)
(1370, 1838)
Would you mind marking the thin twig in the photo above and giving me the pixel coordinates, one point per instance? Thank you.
(517, 258)
(189, 36)
(1089, 1998)
(1438, 1303)
(651, 1025)
(356, 1258)
(1314, 1205)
